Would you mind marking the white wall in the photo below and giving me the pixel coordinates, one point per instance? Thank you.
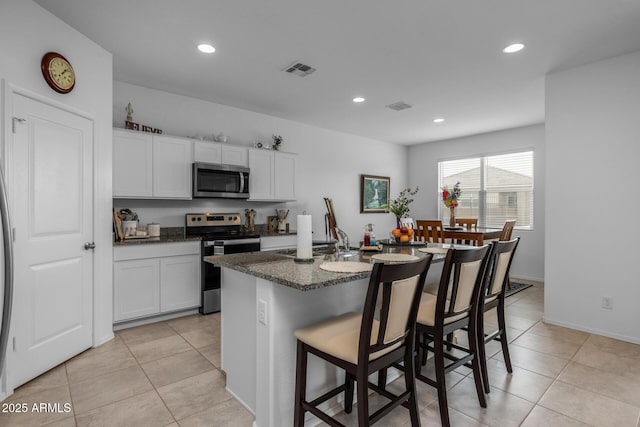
(592, 128)
(423, 171)
(329, 164)
(27, 32)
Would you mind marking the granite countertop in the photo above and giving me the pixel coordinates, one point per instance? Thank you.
(176, 234)
(282, 269)
(167, 235)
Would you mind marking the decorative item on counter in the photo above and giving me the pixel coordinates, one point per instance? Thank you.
(450, 199)
(249, 224)
(272, 224)
(304, 252)
(369, 243)
(153, 229)
(117, 225)
(129, 222)
(277, 141)
(400, 208)
(282, 220)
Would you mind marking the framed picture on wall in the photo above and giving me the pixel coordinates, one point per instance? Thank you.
(374, 194)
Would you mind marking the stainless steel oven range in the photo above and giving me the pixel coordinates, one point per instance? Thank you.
(221, 233)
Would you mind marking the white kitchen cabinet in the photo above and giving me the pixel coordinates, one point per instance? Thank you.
(215, 152)
(132, 164)
(207, 152)
(151, 166)
(272, 176)
(172, 159)
(154, 279)
(177, 278)
(261, 175)
(135, 289)
(234, 155)
(284, 176)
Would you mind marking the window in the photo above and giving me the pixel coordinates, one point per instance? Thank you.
(495, 188)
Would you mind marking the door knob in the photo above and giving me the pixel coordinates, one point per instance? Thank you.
(89, 245)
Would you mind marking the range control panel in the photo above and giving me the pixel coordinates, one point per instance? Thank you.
(213, 219)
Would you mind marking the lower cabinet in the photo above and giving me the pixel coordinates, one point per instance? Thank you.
(146, 286)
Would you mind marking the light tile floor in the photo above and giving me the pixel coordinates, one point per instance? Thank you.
(167, 374)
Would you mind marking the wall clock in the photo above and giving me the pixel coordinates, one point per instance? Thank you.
(58, 72)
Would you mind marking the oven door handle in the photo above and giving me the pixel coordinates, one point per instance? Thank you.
(231, 242)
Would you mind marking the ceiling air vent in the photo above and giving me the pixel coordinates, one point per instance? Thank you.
(399, 106)
(299, 69)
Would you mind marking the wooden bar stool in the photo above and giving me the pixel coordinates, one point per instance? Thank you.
(492, 296)
(362, 344)
(455, 307)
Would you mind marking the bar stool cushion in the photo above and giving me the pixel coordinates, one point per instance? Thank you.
(339, 336)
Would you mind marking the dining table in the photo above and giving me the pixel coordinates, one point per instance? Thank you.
(480, 234)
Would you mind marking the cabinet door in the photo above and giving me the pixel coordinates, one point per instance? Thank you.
(136, 288)
(172, 159)
(207, 152)
(233, 155)
(261, 175)
(285, 176)
(180, 282)
(132, 164)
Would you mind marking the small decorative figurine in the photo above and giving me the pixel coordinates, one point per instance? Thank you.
(129, 113)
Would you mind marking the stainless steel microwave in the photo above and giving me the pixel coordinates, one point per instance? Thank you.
(220, 181)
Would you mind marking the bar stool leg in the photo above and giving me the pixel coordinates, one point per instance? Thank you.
(301, 385)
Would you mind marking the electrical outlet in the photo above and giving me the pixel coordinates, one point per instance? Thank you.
(262, 312)
(607, 303)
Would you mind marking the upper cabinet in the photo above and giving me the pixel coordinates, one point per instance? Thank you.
(215, 152)
(151, 166)
(132, 164)
(172, 159)
(272, 175)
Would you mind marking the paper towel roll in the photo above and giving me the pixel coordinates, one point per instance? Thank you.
(304, 237)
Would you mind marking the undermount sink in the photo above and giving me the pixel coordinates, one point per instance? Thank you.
(317, 251)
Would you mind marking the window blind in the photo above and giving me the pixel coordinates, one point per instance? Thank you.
(495, 188)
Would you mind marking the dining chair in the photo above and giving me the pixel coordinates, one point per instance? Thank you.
(454, 308)
(407, 222)
(470, 224)
(493, 296)
(507, 229)
(362, 344)
(429, 231)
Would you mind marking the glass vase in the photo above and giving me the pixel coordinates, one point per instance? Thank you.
(452, 216)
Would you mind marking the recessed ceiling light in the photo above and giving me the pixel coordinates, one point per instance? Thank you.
(438, 120)
(513, 48)
(206, 48)
(358, 99)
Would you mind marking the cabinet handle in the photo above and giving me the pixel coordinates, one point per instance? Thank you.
(89, 245)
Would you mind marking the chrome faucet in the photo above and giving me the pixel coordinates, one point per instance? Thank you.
(342, 238)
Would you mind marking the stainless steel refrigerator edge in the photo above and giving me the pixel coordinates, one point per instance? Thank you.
(6, 288)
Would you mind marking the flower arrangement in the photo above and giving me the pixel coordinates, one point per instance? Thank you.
(277, 141)
(450, 197)
(400, 206)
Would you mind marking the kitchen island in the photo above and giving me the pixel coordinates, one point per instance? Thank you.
(266, 296)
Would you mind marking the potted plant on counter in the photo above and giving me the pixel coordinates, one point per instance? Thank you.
(400, 208)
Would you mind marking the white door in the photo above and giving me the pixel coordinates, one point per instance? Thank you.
(52, 213)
